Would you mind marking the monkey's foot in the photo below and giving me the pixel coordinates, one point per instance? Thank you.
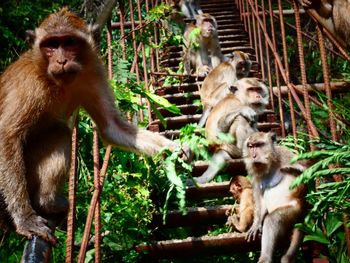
(35, 225)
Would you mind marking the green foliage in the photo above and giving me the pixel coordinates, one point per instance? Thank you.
(330, 200)
(176, 170)
(19, 16)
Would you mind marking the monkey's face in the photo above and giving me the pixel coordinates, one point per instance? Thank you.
(241, 62)
(252, 93)
(207, 28)
(259, 152)
(63, 55)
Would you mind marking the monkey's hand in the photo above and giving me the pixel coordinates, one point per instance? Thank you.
(249, 114)
(305, 3)
(203, 71)
(34, 225)
(253, 232)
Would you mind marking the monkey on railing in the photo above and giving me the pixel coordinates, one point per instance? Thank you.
(39, 92)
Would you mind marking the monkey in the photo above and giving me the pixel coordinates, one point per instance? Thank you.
(218, 82)
(235, 115)
(277, 207)
(335, 14)
(323, 7)
(38, 93)
(189, 8)
(242, 217)
(202, 50)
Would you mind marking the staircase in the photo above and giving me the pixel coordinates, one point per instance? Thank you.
(201, 218)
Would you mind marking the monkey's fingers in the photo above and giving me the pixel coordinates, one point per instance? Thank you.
(36, 226)
(305, 3)
(252, 234)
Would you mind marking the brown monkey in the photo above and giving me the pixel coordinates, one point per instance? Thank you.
(218, 82)
(236, 115)
(38, 94)
(277, 207)
(242, 217)
(202, 51)
(336, 15)
(189, 8)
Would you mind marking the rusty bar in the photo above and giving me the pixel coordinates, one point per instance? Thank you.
(121, 13)
(286, 67)
(312, 87)
(279, 63)
(97, 241)
(95, 196)
(312, 132)
(255, 36)
(261, 53)
(144, 64)
(267, 52)
(279, 97)
(326, 80)
(133, 34)
(244, 17)
(109, 50)
(249, 26)
(72, 198)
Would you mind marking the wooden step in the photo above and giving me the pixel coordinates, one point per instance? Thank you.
(194, 246)
(208, 190)
(234, 166)
(195, 216)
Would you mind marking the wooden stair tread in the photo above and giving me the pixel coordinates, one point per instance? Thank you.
(191, 246)
(195, 216)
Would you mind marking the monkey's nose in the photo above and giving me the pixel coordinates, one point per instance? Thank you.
(62, 62)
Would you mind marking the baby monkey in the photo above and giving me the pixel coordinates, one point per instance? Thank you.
(241, 216)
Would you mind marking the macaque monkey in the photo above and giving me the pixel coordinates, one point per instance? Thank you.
(235, 115)
(241, 217)
(39, 93)
(189, 8)
(218, 82)
(277, 207)
(336, 15)
(202, 51)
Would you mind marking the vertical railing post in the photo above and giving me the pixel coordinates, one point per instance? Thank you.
(312, 131)
(72, 197)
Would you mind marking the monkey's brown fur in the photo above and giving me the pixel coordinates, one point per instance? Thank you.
(277, 207)
(38, 94)
(235, 115)
(335, 14)
(216, 85)
(208, 55)
(242, 217)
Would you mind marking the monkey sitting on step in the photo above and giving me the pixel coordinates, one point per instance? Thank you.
(241, 216)
(277, 207)
(235, 115)
(216, 85)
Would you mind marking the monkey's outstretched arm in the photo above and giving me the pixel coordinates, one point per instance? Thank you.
(117, 131)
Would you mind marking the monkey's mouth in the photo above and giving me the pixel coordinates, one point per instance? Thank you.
(64, 72)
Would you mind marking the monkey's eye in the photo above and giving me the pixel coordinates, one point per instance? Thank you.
(70, 42)
(52, 43)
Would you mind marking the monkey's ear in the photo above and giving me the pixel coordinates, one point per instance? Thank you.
(95, 31)
(30, 37)
(273, 136)
(233, 89)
